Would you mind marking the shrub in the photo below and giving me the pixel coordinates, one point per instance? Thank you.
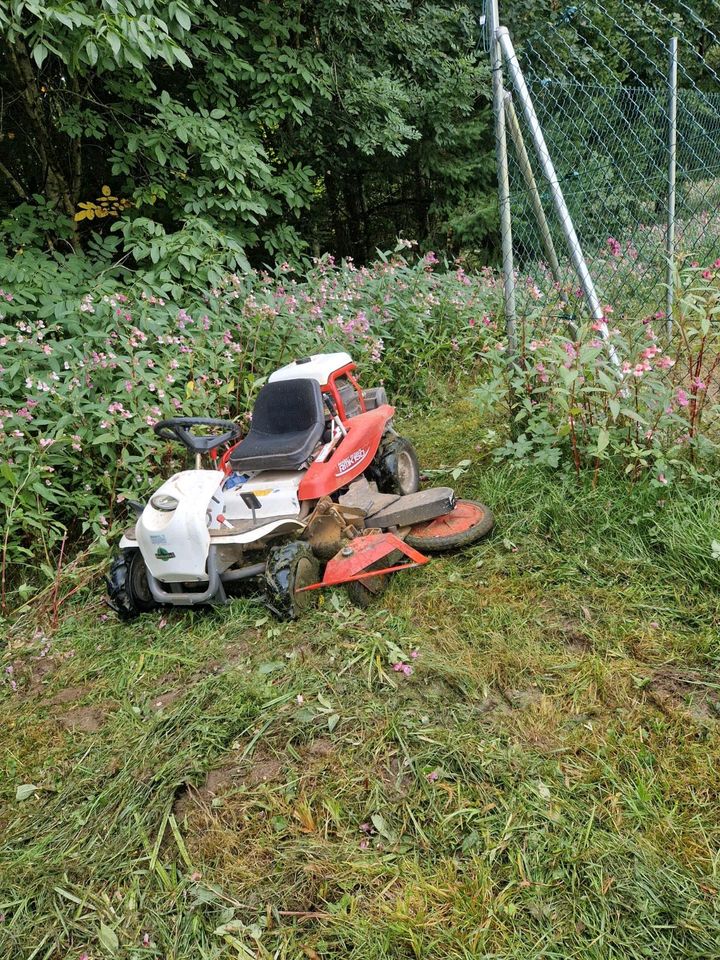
(92, 360)
(656, 415)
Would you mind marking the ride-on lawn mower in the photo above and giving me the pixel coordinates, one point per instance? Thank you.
(321, 481)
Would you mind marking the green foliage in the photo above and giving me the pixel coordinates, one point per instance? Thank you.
(254, 131)
(90, 363)
(654, 413)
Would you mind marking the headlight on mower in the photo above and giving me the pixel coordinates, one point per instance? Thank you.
(164, 502)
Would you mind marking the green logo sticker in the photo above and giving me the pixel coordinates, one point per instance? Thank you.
(162, 554)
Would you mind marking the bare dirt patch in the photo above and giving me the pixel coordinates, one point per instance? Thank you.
(261, 771)
(84, 719)
(672, 690)
(70, 695)
(322, 747)
(165, 700)
(39, 671)
(231, 776)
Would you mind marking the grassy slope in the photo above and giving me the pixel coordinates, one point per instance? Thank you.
(565, 696)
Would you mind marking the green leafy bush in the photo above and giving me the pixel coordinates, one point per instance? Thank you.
(656, 412)
(90, 363)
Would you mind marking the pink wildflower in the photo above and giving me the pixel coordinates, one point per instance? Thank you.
(662, 478)
(432, 777)
(682, 398)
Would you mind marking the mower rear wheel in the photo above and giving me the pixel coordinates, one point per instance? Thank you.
(127, 586)
(395, 468)
(469, 522)
(289, 567)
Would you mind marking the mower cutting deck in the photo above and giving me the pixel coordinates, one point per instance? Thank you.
(322, 491)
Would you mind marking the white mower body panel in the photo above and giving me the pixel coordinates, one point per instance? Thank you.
(175, 543)
(320, 367)
(276, 492)
(281, 525)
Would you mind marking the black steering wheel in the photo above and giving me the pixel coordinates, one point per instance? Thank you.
(180, 428)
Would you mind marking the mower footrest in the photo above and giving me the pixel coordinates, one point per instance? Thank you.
(366, 496)
(414, 508)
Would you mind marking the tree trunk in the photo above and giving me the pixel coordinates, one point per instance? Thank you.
(60, 189)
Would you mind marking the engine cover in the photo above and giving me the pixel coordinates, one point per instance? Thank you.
(175, 543)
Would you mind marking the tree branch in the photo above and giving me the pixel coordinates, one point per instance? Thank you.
(14, 183)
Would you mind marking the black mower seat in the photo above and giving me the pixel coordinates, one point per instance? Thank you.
(288, 421)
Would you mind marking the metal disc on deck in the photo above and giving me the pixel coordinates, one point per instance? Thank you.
(467, 523)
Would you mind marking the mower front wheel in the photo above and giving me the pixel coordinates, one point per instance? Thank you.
(290, 567)
(363, 593)
(127, 586)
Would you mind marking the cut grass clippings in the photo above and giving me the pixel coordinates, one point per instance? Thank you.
(213, 784)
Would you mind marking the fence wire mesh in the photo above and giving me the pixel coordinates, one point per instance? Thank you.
(601, 91)
(599, 77)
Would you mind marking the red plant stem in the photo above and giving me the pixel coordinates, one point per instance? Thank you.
(57, 583)
(573, 437)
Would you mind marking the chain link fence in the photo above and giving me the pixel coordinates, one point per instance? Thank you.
(601, 89)
(627, 98)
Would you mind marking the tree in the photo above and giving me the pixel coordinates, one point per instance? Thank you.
(174, 107)
(210, 133)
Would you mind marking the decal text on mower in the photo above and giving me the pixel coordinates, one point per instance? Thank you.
(349, 462)
(162, 554)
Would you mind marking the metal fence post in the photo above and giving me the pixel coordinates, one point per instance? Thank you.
(561, 209)
(503, 178)
(672, 166)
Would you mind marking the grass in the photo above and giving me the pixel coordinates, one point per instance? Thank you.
(545, 784)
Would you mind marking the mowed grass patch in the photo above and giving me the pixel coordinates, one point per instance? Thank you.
(544, 783)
